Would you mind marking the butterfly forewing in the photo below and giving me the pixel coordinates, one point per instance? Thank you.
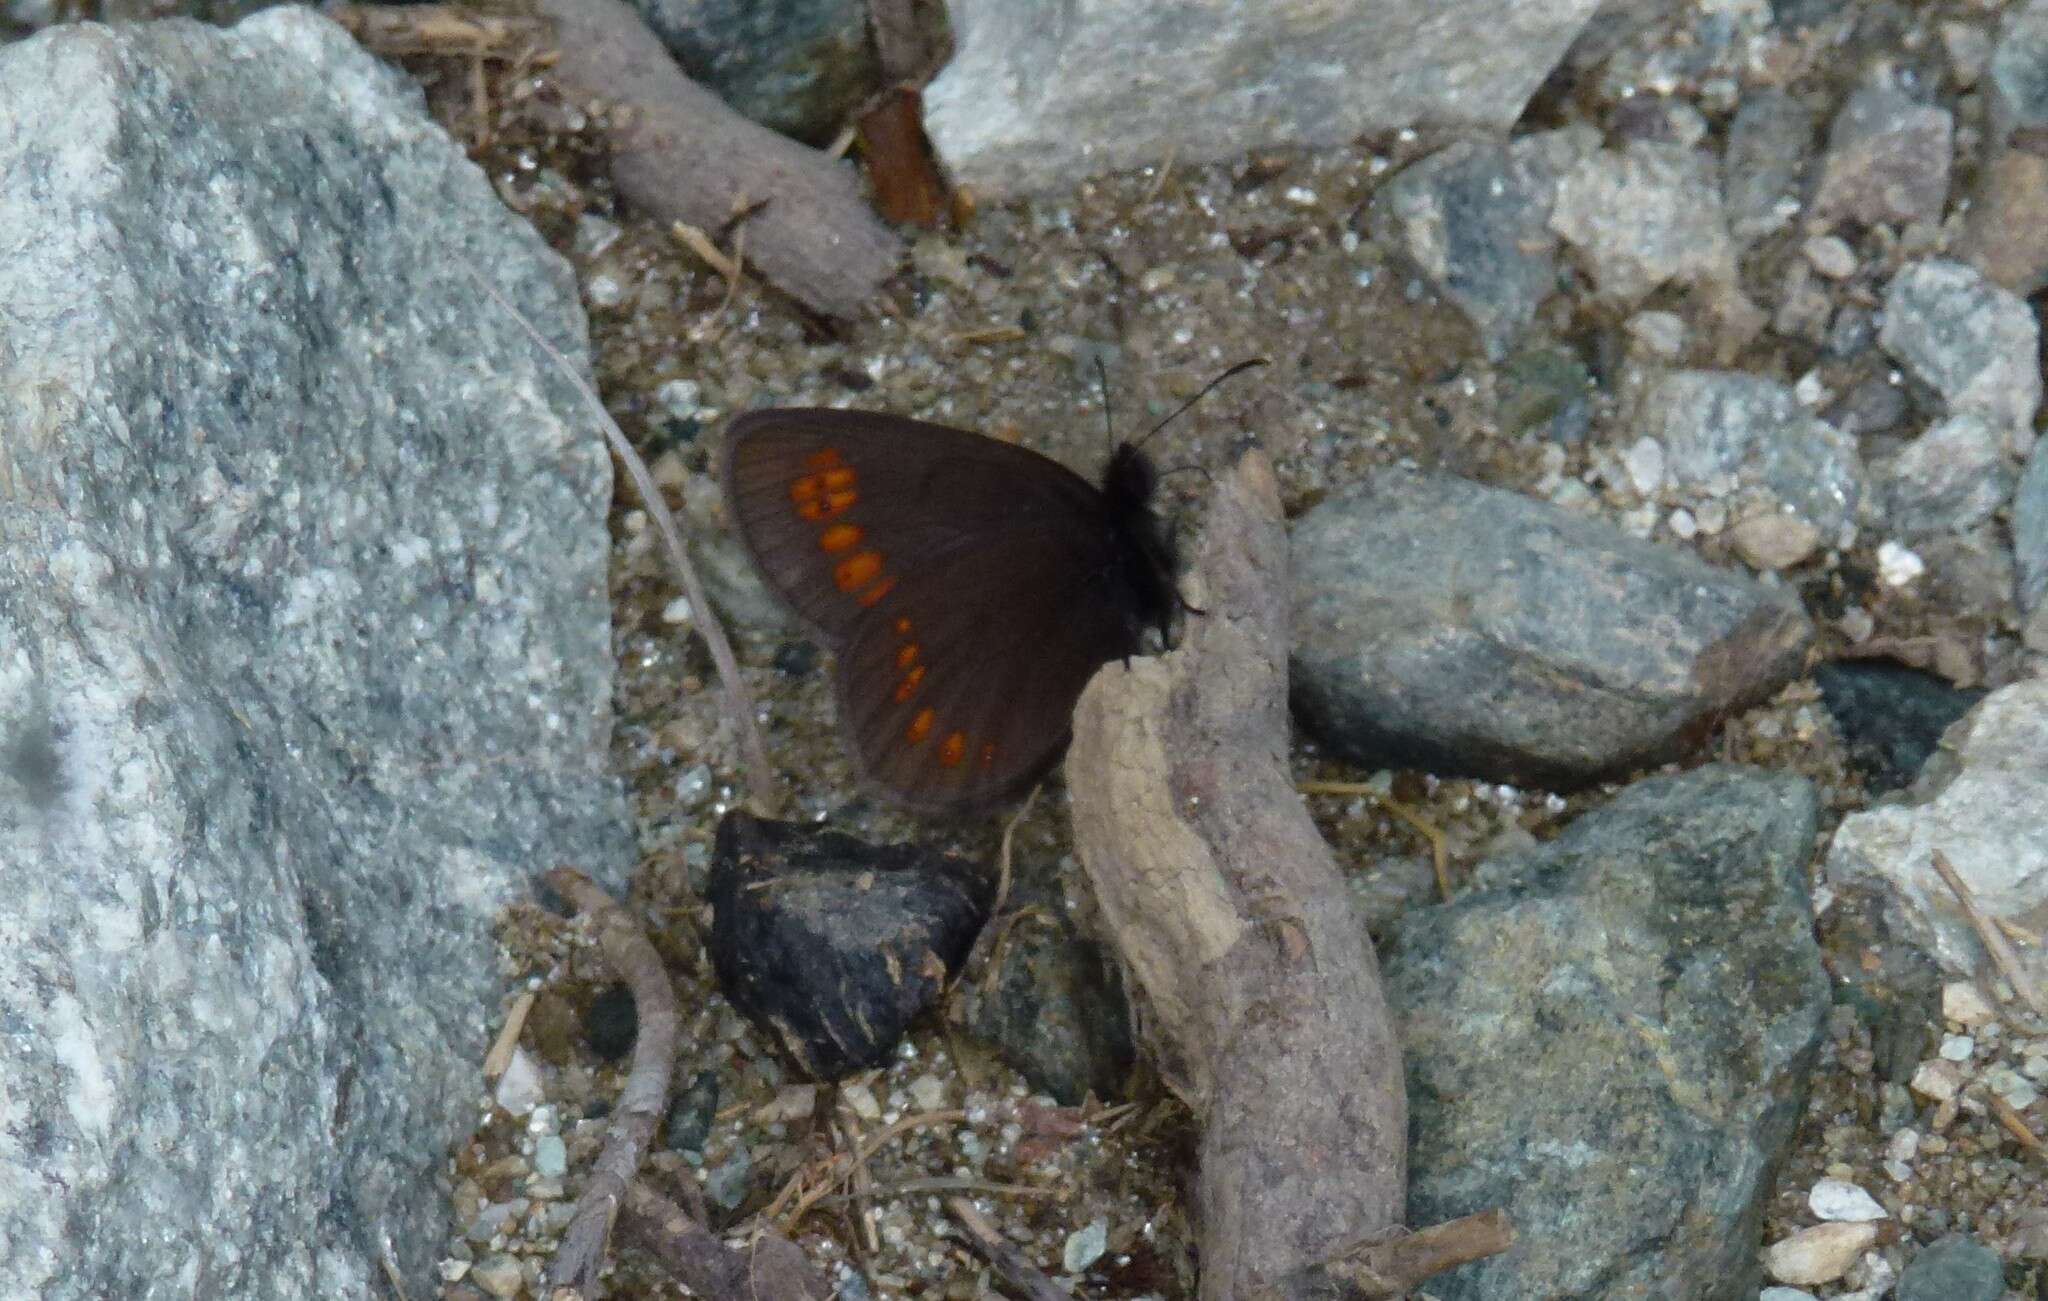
(965, 585)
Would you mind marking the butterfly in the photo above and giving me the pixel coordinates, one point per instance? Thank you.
(968, 588)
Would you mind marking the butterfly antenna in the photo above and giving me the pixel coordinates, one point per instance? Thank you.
(1236, 370)
(1102, 378)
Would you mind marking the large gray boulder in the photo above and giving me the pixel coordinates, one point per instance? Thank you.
(304, 658)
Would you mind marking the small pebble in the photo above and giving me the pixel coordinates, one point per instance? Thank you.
(1831, 256)
(550, 1157)
(1085, 1246)
(928, 1092)
(1963, 1003)
(861, 1099)
(1775, 540)
(1820, 1254)
(1645, 462)
(1957, 1268)
(1898, 565)
(1957, 1047)
(501, 1276)
(793, 1102)
(1662, 333)
(1682, 525)
(520, 1089)
(1840, 1200)
(1784, 1294)
(1938, 1080)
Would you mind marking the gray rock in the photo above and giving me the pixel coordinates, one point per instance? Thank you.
(1645, 217)
(1948, 480)
(2018, 91)
(1613, 1038)
(1474, 218)
(1730, 434)
(1975, 344)
(1449, 626)
(1979, 801)
(1873, 406)
(1547, 389)
(1054, 1004)
(799, 66)
(305, 664)
(1887, 161)
(830, 945)
(2002, 237)
(2030, 545)
(1763, 171)
(1956, 1268)
(1043, 92)
(1890, 717)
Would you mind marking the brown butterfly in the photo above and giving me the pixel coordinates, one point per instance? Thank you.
(969, 588)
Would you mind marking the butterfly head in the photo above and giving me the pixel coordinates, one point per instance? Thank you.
(1148, 562)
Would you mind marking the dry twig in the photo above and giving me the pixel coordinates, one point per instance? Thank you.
(681, 155)
(1384, 1268)
(642, 1100)
(739, 709)
(1233, 920)
(500, 1055)
(1023, 1276)
(2003, 955)
(447, 30)
(2016, 1124)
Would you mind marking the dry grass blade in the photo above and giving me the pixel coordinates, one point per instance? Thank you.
(1026, 1278)
(2003, 955)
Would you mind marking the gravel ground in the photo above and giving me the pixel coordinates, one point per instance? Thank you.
(1924, 1088)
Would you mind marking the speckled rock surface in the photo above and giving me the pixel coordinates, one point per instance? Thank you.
(1612, 1037)
(304, 661)
(1040, 92)
(1980, 802)
(1458, 628)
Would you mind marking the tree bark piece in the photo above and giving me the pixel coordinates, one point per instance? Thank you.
(683, 155)
(1228, 910)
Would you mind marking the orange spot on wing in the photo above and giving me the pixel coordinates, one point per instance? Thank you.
(836, 480)
(857, 570)
(823, 459)
(805, 489)
(902, 626)
(878, 591)
(920, 726)
(953, 749)
(839, 537)
(906, 654)
(908, 687)
(988, 754)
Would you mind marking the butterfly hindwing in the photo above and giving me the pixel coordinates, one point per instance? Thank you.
(967, 587)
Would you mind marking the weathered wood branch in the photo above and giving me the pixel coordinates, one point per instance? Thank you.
(680, 154)
(1263, 997)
